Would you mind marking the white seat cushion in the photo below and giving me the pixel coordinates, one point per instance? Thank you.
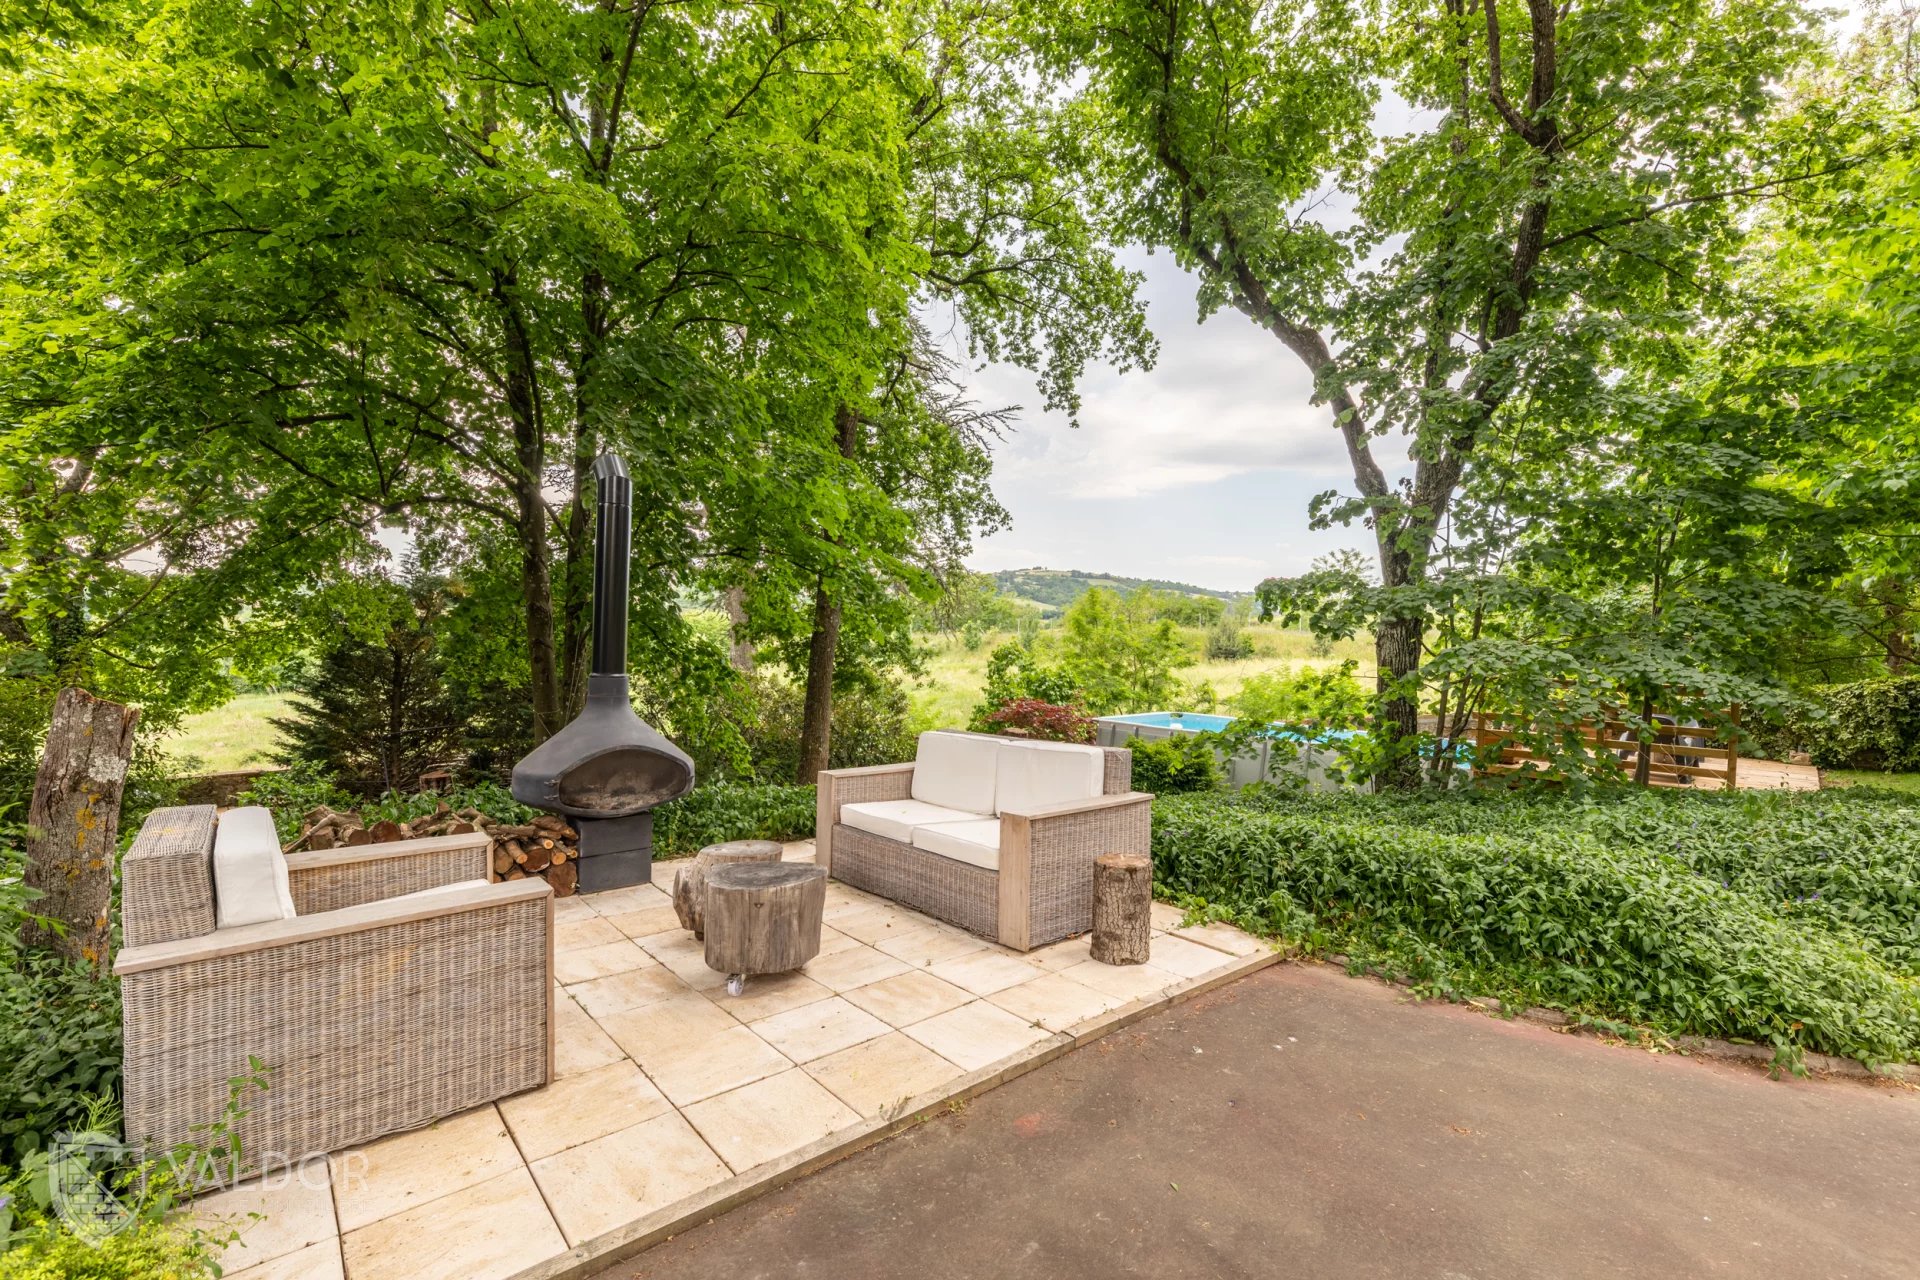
(897, 819)
(1031, 775)
(955, 771)
(249, 871)
(976, 843)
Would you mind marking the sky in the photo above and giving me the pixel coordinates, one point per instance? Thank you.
(1198, 470)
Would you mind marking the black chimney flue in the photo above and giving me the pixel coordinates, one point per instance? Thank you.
(607, 769)
(612, 558)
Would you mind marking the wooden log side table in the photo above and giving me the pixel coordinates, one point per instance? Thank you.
(763, 918)
(689, 882)
(1122, 907)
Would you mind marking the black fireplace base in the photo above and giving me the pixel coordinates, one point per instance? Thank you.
(615, 852)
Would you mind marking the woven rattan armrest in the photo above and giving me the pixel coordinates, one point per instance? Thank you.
(1046, 862)
(838, 787)
(330, 879)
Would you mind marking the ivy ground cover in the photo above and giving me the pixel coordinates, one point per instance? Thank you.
(1783, 919)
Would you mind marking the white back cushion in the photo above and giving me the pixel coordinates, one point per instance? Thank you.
(1032, 774)
(955, 771)
(249, 871)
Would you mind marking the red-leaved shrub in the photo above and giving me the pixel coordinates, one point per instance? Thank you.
(1047, 721)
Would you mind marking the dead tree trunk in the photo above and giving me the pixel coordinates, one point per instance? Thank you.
(1122, 907)
(73, 824)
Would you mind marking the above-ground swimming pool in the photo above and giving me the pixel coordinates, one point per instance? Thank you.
(1258, 763)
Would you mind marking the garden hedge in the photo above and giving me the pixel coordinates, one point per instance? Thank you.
(1769, 918)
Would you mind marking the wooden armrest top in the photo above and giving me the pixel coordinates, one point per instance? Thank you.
(865, 770)
(311, 859)
(1078, 806)
(328, 924)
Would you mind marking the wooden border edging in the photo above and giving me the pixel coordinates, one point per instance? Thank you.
(641, 1234)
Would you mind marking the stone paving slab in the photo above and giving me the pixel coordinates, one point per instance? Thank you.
(673, 1100)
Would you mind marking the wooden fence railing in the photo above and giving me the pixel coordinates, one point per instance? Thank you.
(1677, 755)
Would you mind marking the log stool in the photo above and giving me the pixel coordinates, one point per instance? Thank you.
(689, 881)
(762, 918)
(1122, 907)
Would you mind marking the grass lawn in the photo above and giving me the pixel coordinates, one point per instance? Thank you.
(944, 697)
(234, 736)
(237, 735)
(1907, 782)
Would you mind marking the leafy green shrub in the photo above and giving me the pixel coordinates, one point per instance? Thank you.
(1228, 643)
(1870, 724)
(153, 1242)
(869, 725)
(1015, 672)
(1778, 919)
(59, 1047)
(1327, 697)
(1168, 766)
(732, 811)
(147, 1251)
(1119, 659)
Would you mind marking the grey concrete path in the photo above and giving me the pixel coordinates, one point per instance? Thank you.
(1300, 1123)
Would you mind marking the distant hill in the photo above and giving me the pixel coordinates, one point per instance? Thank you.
(1058, 588)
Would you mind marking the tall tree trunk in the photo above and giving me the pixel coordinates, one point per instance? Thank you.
(816, 727)
(530, 455)
(576, 583)
(1643, 758)
(740, 648)
(73, 824)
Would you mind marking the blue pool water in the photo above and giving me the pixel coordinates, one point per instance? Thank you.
(1196, 720)
(1205, 722)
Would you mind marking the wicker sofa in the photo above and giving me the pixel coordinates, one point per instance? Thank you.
(1006, 854)
(397, 988)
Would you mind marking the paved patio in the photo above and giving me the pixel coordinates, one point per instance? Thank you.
(673, 1101)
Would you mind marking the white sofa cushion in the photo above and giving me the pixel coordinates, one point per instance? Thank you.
(1030, 775)
(249, 871)
(897, 819)
(956, 771)
(976, 843)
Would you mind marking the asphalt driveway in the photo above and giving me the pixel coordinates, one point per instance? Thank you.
(1301, 1123)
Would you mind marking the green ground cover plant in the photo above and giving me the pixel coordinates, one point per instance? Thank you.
(1778, 919)
(1169, 766)
(731, 811)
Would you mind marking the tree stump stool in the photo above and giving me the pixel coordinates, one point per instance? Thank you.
(689, 881)
(763, 918)
(1122, 907)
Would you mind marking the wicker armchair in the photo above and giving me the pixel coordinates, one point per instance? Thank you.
(1042, 888)
(375, 1013)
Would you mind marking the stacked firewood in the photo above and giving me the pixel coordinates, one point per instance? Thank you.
(547, 846)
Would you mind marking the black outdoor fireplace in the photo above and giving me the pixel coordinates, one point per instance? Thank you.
(607, 769)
